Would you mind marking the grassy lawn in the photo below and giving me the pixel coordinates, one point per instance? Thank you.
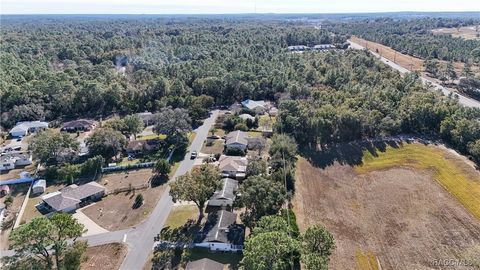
(152, 136)
(460, 181)
(254, 134)
(215, 148)
(126, 162)
(180, 215)
(191, 136)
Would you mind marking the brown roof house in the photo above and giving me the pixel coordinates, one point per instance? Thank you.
(233, 166)
(78, 125)
(204, 264)
(72, 197)
(237, 139)
(139, 147)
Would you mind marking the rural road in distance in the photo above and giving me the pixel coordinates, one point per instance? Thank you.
(466, 101)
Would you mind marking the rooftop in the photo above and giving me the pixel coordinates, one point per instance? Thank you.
(252, 104)
(25, 126)
(204, 264)
(233, 163)
(221, 227)
(71, 195)
(229, 187)
(237, 137)
(78, 123)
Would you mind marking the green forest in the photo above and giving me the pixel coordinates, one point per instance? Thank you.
(414, 36)
(66, 68)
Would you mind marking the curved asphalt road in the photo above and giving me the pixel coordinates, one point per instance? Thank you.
(466, 101)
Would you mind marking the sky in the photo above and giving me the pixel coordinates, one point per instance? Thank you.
(228, 6)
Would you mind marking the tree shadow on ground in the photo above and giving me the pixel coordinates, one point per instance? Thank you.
(350, 153)
(158, 180)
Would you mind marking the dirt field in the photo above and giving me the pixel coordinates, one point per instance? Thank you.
(124, 179)
(116, 212)
(393, 218)
(466, 32)
(406, 61)
(105, 257)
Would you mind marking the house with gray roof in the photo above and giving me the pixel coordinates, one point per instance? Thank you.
(225, 196)
(221, 232)
(22, 129)
(204, 264)
(78, 125)
(237, 139)
(72, 197)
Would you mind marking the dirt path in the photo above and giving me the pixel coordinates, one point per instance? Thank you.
(399, 217)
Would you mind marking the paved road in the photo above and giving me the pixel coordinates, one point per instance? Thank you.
(139, 239)
(466, 101)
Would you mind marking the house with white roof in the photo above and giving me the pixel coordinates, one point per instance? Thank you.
(258, 106)
(22, 129)
(12, 160)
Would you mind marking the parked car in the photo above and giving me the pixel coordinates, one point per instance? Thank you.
(194, 155)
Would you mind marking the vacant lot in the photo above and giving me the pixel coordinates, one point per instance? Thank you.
(105, 257)
(393, 212)
(406, 61)
(116, 211)
(466, 32)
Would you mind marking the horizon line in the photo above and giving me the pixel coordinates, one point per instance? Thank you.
(241, 13)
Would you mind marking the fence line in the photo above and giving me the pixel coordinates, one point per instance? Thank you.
(129, 188)
(128, 167)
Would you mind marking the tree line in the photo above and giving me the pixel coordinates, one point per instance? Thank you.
(67, 68)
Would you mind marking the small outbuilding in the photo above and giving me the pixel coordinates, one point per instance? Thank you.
(39, 186)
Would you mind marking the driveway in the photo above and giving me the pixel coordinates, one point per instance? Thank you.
(92, 227)
(466, 101)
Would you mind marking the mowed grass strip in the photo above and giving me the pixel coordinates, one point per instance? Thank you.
(366, 260)
(452, 173)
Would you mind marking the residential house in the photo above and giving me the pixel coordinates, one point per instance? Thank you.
(140, 147)
(147, 118)
(222, 233)
(246, 116)
(225, 196)
(72, 197)
(204, 264)
(323, 47)
(258, 106)
(39, 186)
(78, 125)
(12, 160)
(22, 129)
(235, 108)
(298, 48)
(236, 140)
(233, 166)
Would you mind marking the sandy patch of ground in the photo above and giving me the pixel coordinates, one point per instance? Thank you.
(125, 178)
(406, 61)
(400, 218)
(105, 257)
(466, 32)
(116, 211)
